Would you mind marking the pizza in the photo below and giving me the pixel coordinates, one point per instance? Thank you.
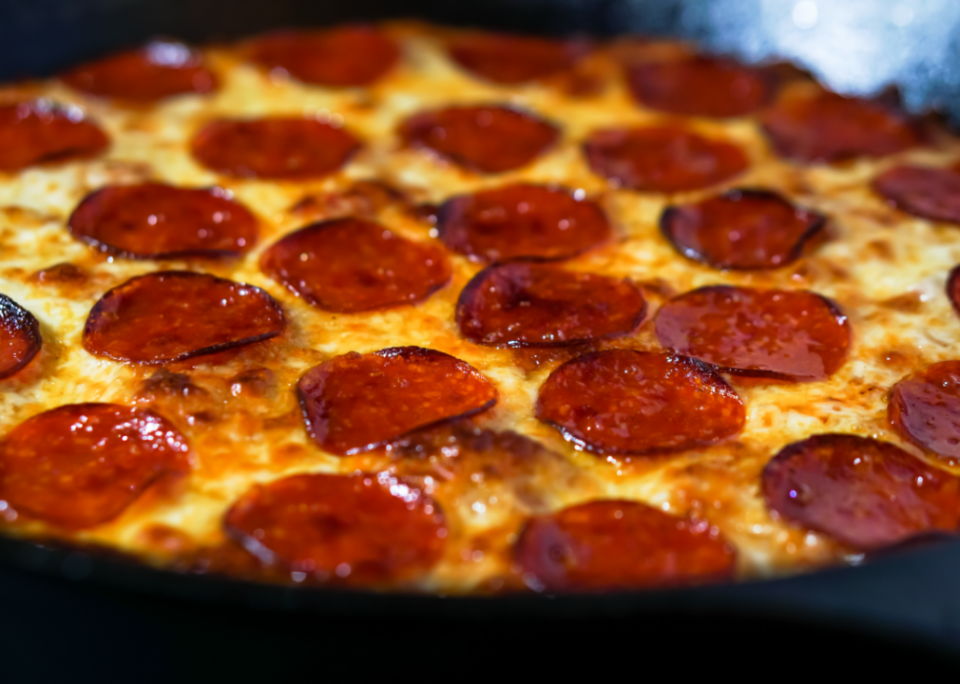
(408, 308)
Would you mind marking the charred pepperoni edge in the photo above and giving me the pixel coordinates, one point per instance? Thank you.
(477, 281)
(26, 325)
(953, 286)
(816, 223)
(96, 311)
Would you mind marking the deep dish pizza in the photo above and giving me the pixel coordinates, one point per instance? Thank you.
(409, 308)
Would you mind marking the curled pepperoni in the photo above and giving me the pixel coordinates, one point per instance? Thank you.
(623, 401)
(521, 220)
(156, 221)
(701, 86)
(926, 192)
(789, 335)
(830, 127)
(349, 265)
(353, 403)
(81, 465)
(485, 139)
(339, 57)
(39, 132)
(620, 545)
(532, 305)
(157, 70)
(19, 337)
(346, 529)
(925, 408)
(170, 316)
(865, 493)
(742, 229)
(278, 148)
(662, 158)
(513, 59)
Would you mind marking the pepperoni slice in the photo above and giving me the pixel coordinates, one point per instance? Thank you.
(830, 127)
(156, 221)
(925, 408)
(485, 139)
(513, 59)
(81, 465)
(620, 545)
(339, 57)
(348, 265)
(39, 132)
(532, 305)
(19, 337)
(158, 70)
(354, 403)
(865, 493)
(170, 316)
(783, 334)
(742, 229)
(521, 220)
(700, 86)
(277, 148)
(926, 192)
(662, 158)
(348, 529)
(953, 288)
(623, 401)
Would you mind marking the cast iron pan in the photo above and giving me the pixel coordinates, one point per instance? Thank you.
(96, 612)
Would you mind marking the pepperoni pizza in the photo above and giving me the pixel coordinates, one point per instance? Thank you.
(407, 308)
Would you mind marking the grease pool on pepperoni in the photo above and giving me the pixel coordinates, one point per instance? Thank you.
(662, 158)
(699, 86)
(513, 59)
(81, 465)
(171, 316)
(927, 192)
(623, 401)
(487, 139)
(365, 528)
(158, 70)
(20, 339)
(356, 402)
(157, 221)
(349, 265)
(741, 229)
(925, 408)
(521, 221)
(279, 148)
(523, 304)
(340, 57)
(785, 334)
(865, 493)
(830, 127)
(40, 132)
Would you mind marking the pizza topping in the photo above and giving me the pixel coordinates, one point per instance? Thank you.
(623, 401)
(20, 338)
(532, 305)
(925, 408)
(662, 158)
(170, 316)
(349, 265)
(39, 132)
(513, 59)
(789, 335)
(742, 229)
(157, 70)
(353, 403)
(352, 529)
(830, 127)
(521, 221)
(273, 148)
(701, 86)
(609, 544)
(932, 193)
(865, 493)
(340, 57)
(484, 139)
(81, 465)
(156, 221)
